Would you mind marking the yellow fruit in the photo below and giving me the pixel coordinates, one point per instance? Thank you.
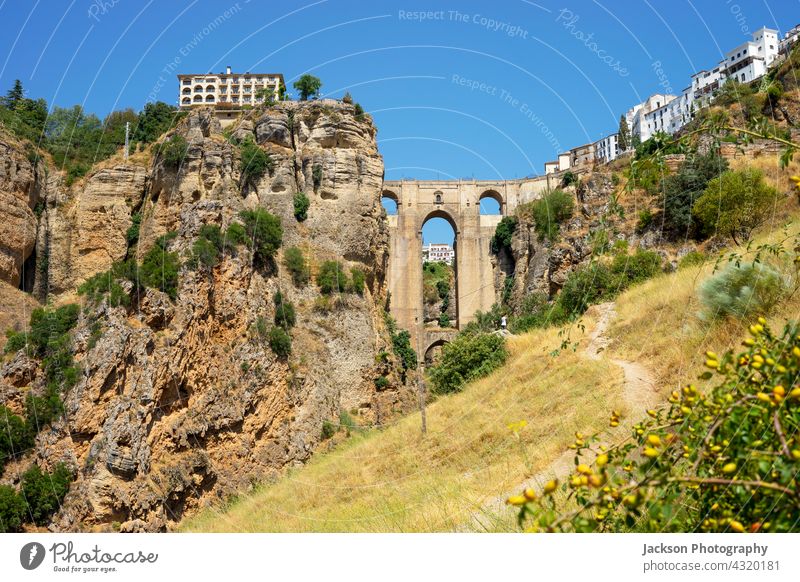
(529, 494)
(779, 391)
(516, 500)
(613, 424)
(795, 393)
(795, 179)
(736, 526)
(713, 364)
(654, 440)
(796, 352)
(686, 410)
(749, 342)
(762, 321)
(756, 329)
(796, 454)
(651, 413)
(758, 358)
(711, 356)
(763, 397)
(602, 460)
(650, 452)
(584, 469)
(729, 468)
(550, 486)
(596, 480)
(584, 480)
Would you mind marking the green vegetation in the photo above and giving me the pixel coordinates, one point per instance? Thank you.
(173, 151)
(307, 86)
(568, 179)
(381, 382)
(735, 204)
(105, 286)
(623, 134)
(160, 268)
(503, 233)
(331, 278)
(468, 357)
(280, 342)
(255, 162)
(357, 281)
(295, 262)
(723, 459)
(691, 259)
(644, 222)
(742, 290)
(284, 312)
(316, 176)
(328, 429)
(401, 346)
(550, 212)
(207, 248)
(75, 139)
(39, 498)
(16, 436)
(235, 235)
(265, 233)
(132, 234)
(359, 112)
(681, 190)
(301, 205)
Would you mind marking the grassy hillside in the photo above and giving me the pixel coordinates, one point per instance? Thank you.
(397, 480)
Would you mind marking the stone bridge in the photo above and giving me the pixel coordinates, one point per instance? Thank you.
(458, 202)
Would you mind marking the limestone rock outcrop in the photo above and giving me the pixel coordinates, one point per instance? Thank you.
(182, 402)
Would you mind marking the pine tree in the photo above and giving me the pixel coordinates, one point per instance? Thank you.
(624, 137)
(14, 95)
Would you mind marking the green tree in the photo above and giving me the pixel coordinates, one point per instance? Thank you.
(307, 86)
(13, 510)
(154, 121)
(280, 342)
(14, 96)
(44, 492)
(735, 204)
(680, 191)
(173, 151)
(623, 134)
(468, 357)
(160, 268)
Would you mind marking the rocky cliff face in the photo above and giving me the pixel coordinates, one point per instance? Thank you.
(180, 402)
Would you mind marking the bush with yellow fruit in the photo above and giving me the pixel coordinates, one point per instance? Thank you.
(724, 456)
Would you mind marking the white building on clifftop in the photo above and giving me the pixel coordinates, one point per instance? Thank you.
(232, 89)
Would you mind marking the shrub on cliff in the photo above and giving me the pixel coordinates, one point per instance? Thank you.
(255, 162)
(44, 492)
(301, 205)
(13, 510)
(332, 278)
(173, 151)
(15, 436)
(104, 286)
(280, 342)
(295, 262)
(160, 268)
(357, 281)
(550, 211)
(284, 311)
(264, 232)
(503, 233)
(207, 248)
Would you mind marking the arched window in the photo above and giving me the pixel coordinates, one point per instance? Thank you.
(437, 197)
(490, 202)
(209, 98)
(186, 101)
(198, 88)
(210, 89)
(198, 98)
(390, 202)
(187, 90)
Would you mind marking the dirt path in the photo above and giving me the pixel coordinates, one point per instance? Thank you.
(639, 391)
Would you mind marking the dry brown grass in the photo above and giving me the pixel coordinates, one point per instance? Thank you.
(397, 480)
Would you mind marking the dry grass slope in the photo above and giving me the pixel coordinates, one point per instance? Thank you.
(397, 481)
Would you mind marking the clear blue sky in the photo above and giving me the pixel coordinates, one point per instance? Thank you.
(539, 84)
